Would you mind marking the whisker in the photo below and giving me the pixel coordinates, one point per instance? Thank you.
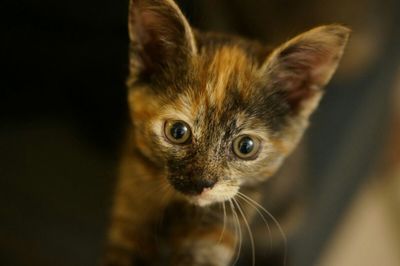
(253, 254)
(262, 217)
(275, 221)
(224, 226)
(237, 222)
(236, 230)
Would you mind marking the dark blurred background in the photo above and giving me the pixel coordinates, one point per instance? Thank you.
(63, 114)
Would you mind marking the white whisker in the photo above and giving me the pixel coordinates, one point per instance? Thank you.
(224, 226)
(253, 254)
(237, 222)
(262, 217)
(275, 221)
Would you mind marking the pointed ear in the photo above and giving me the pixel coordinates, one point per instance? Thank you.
(300, 68)
(160, 36)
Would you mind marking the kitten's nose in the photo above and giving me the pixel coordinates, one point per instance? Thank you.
(193, 185)
(203, 184)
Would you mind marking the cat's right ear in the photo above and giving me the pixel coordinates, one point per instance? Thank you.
(160, 36)
(300, 68)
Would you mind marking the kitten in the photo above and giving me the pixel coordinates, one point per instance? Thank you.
(213, 118)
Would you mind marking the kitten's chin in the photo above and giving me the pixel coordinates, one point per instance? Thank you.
(219, 193)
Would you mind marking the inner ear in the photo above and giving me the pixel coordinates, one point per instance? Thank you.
(160, 36)
(301, 67)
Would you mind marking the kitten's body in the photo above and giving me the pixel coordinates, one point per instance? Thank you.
(172, 196)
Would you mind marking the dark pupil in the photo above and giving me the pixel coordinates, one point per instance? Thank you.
(246, 145)
(178, 130)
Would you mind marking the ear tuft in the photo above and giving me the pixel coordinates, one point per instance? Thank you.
(304, 65)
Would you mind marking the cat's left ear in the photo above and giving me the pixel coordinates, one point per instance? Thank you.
(301, 67)
(161, 37)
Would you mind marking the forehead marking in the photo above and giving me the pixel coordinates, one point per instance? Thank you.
(230, 67)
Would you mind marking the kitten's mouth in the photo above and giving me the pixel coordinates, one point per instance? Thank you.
(219, 193)
(204, 192)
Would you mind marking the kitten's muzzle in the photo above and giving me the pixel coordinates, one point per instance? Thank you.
(192, 186)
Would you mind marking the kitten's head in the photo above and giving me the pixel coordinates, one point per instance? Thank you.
(217, 112)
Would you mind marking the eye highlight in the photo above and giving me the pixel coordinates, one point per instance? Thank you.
(246, 147)
(177, 131)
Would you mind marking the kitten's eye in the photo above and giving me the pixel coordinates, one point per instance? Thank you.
(178, 132)
(246, 147)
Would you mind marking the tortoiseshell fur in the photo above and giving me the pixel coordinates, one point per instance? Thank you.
(222, 87)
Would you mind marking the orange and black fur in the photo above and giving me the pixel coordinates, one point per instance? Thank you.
(213, 117)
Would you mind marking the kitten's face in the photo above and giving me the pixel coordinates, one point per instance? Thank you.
(218, 113)
(214, 128)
